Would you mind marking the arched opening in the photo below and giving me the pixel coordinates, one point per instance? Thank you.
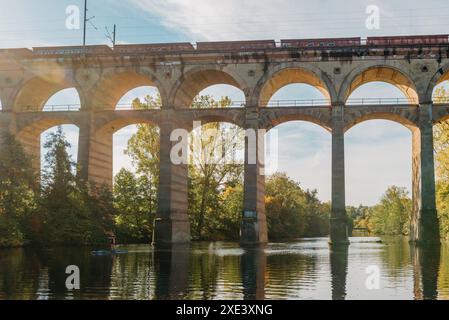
(215, 175)
(37, 91)
(34, 136)
(441, 91)
(118, 88)
(63, 100)
(385, 75)
(294, 87)
(297, 182)
(377, 93)
(441, 145)
(140, 97)
(194, 84)
(379, 186)
(71, 135)
(135, 153)
(220, 96)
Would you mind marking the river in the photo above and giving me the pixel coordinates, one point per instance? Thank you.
(305, 269)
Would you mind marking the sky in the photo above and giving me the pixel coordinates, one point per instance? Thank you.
(378, 153)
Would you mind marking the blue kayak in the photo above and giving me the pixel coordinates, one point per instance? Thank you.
(108, 252)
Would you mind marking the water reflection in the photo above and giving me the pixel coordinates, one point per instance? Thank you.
(339, 270)
(307, 269)
(253, 269)
(426, 264)
(172, 272)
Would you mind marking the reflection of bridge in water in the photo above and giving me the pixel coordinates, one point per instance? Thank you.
(101, 76)
(304, 270)
(173, 274)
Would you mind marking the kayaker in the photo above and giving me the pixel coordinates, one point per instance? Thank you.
(112, 243)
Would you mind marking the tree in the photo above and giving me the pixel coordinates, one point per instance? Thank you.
(17, 193)
(292, 212)
(214, 165)
(392, 215)
(441, 138)
(70, 212)
(134, 204)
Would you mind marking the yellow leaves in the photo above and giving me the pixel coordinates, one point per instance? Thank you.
(268, 199)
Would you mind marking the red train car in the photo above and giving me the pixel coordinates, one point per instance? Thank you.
(236, 45)
(72, 50)
(408, 40)
(158, 47)
(321, 43)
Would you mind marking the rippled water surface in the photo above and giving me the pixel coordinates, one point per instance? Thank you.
(306, 269)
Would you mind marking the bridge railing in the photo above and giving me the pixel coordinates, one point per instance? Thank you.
(309, 103)
(379, 101)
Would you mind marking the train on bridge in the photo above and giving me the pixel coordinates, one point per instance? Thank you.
(241, 46)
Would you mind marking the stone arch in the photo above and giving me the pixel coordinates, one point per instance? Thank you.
(394, 117)
(440, 116)
(112, 126)
(190, 84)
(116, 82)
(72, 105)
(290, 73)
(382, 73)
(38, 89)
(270, 124)
(29, 135)
(440, 76)
(101, 147)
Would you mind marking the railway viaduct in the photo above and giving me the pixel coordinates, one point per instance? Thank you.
(101, 75)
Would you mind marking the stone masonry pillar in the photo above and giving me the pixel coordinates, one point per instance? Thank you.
(339, 219)
(84, 138)
(172, 222)
(254, 223)
(424, 227)
(95, 152)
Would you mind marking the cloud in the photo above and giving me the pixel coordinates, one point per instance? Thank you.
(251, 19)
(269, 19)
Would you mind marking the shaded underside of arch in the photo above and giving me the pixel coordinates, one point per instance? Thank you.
(30, 136)
(192, 84)
(112, 126)
(387, 75)
(288, 76)
(113, 87)
(273, 120)
(37, 91)
(394, 117)
(440, 114)
(444, 77)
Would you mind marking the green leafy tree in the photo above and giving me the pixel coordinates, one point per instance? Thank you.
(292, 212)
(17, 193)
(441, 138)
(134, 201)
(214, 165)
(392, 215)
(71, 213)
